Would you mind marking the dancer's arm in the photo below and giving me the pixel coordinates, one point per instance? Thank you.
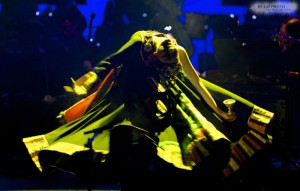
(194, 78)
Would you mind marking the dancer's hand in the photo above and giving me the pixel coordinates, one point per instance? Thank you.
(230, 117)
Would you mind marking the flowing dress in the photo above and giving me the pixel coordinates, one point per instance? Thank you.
(141, 119)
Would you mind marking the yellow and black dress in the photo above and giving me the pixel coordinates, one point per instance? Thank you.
(143, 119)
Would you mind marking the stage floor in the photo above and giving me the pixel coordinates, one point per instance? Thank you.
(271, 178)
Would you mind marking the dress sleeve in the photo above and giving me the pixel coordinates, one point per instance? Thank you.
(121, 56)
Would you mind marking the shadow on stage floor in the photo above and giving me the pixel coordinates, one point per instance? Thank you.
(258, 175)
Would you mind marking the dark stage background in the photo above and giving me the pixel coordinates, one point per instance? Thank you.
(43, 43)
